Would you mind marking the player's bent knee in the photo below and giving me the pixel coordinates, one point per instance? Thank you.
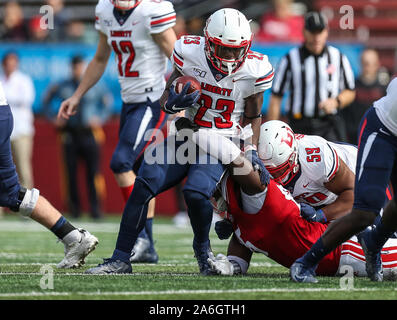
(120, 163)
(194, 198)
(29, 202)
(369, 198)
(142, 191)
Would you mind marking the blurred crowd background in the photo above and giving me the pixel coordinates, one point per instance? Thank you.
(46, 57)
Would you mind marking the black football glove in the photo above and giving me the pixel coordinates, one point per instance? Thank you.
(185, 123)
(224, 229)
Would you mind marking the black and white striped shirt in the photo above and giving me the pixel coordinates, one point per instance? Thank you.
(311, 79)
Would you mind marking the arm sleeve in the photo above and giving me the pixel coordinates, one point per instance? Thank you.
(253, 203)
(162, 17)
(281, 77)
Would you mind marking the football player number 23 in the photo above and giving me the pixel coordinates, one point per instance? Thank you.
(225, 107)
(119, 49)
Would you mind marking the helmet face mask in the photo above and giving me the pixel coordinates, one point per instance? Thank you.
(278, 150)
(125, 4)
(228, 39)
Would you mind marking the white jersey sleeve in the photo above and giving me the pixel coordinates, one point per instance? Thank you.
(261, 70)
(3, 100)
(162, 16)
(177, 58)
(99, 20)
(386, 107)
(319, 160)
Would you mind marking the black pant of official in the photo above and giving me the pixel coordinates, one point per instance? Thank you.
(331, 128)
(81, 144)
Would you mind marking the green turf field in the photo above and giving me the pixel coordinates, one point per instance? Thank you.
(25, 247)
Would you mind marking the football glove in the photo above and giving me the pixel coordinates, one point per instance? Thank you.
(311, 214)
(220, 264)
(178, 102)
(185, 123)
(257, 164)
(224, 229)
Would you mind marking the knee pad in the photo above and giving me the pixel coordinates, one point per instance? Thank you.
(194, 198)
(121, 161)
(368, 197)
(29, 200)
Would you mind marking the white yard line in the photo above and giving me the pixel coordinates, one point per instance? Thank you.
(182, 292)
(105, 227)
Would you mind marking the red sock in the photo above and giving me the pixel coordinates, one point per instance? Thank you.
(126, 191)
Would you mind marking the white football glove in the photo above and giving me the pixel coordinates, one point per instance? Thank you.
(220, 264)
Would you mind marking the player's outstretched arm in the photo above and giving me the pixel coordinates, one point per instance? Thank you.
(94, 72)
(342, 184)
(229, 154)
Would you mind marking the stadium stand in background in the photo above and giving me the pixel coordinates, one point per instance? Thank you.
(45, 55)
(375, 25)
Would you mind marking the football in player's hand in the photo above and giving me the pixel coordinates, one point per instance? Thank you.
(182, 81)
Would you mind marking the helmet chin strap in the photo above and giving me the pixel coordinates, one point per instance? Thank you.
(230, 67)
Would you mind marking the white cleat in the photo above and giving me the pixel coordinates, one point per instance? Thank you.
(76, 252)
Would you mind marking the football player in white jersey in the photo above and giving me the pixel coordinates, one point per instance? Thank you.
(29, 203)
(233, 80)
(140, 34)
(316, 172)
(376, 167)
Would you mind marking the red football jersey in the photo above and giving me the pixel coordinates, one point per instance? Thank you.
(278, 230)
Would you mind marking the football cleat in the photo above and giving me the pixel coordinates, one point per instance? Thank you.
(76, 252)
(300, 273)
(202, 255)
(143, 252)
(111, 266)
(373, 261)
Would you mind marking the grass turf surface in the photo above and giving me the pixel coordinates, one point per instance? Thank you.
(25, 247)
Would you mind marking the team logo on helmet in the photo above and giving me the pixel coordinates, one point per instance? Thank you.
(278, 150)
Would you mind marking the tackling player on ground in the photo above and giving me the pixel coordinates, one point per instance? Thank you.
(266, 219)
(233, 80)
(29, 203)
(376, 164)
(140, 34)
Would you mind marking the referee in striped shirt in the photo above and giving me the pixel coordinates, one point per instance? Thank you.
(319, 80)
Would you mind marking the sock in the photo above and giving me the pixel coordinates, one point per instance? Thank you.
(379, 235)
(126, 191)
(316, 253)
(133, 219)
(143, 234)
(149, 231)
(120, 255)
(200, 213)
(62, 227)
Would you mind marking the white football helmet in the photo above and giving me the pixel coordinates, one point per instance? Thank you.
(278, 149)
(228, 38)
(125, 4)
